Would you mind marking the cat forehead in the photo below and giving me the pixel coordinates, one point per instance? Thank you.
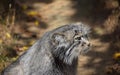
(79, 28)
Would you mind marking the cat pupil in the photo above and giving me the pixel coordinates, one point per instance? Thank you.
(78, 38)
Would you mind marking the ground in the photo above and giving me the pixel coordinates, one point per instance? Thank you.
(50, 14)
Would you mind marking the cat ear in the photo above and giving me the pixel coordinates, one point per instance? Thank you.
(58, 38)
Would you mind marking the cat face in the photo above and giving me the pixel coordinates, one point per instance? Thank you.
(70, 42)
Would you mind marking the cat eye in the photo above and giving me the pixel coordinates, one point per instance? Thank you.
(86, 36)
(77, 37)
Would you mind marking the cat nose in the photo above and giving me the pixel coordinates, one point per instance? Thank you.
(86, 43)
(89, 44)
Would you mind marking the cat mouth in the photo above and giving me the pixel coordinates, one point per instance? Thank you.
(74, 51)
(77, 45)
(84, 51)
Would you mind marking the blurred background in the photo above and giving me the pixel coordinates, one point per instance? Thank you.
(22, 22)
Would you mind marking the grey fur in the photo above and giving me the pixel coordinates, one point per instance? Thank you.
(56, 53)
